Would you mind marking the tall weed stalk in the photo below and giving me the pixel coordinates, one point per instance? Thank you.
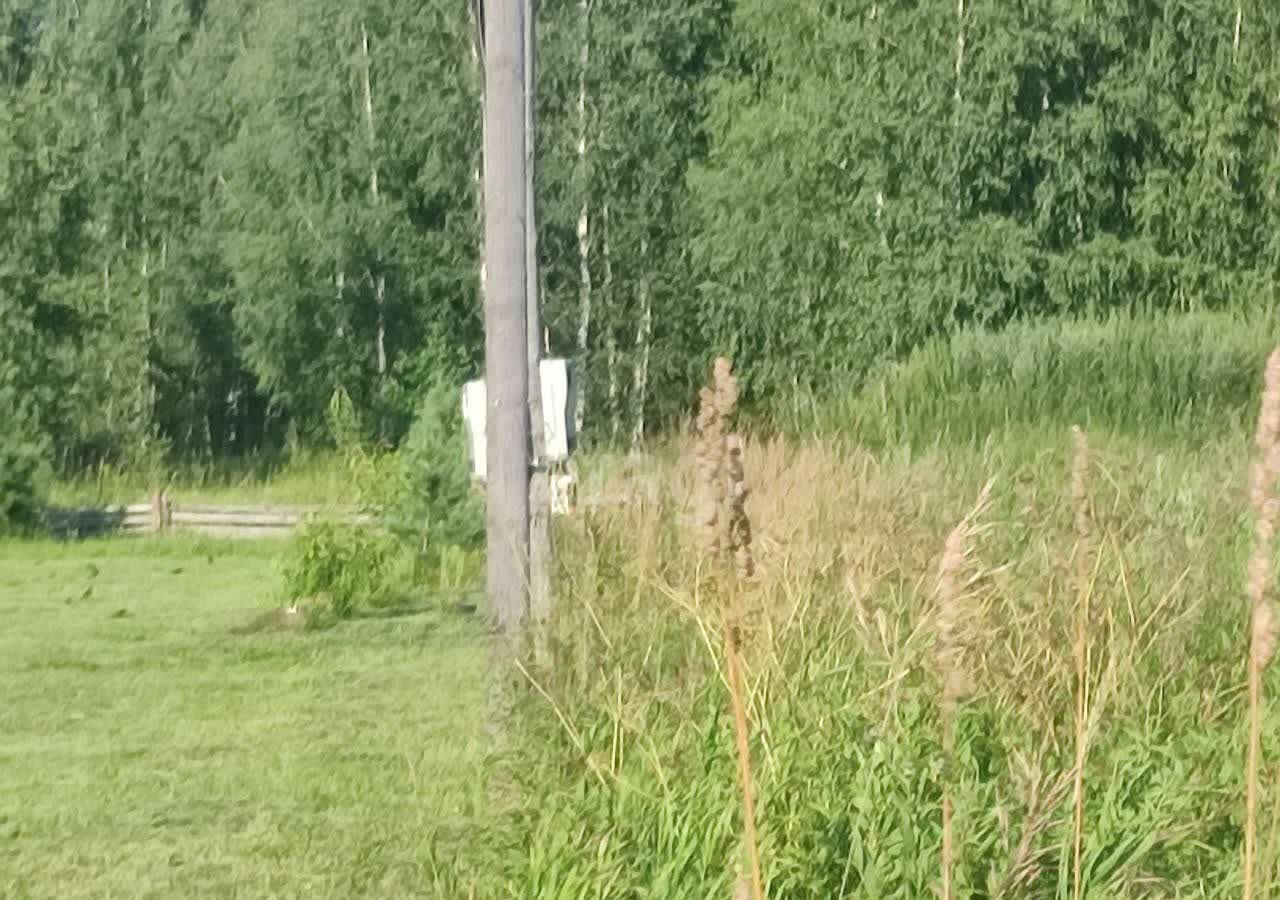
(1263, 621)
(727, 539)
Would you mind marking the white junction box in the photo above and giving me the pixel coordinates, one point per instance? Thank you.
(558, 401)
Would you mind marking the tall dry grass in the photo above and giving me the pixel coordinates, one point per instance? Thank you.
(865, 766)
(1083, 583)
(954, 632)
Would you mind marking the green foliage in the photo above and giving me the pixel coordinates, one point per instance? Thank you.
(1193, 376)
(644, 84)
(322, 268)
(432, 531)
(198, 246)
(874, 181)
(345, 566)
(437, 506)
(23, 467)
(24, 443)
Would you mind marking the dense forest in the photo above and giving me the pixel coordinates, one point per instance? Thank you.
(217, 215)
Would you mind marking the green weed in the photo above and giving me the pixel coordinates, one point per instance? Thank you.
(631, 762)
(1186, 378)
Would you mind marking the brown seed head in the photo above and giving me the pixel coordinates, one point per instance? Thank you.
(1080, 482)
(1266, 468)
(948, 647)
(1266, 633)
(1269, 416)
(1264, 475)
(710, 461)
(739, 523)
(726, 387)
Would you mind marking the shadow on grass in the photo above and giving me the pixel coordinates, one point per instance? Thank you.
(74, 524)
(320, 617)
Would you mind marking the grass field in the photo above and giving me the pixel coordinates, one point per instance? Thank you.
(147, 751)
(1097, 648)
(634, 766)
(312, 479)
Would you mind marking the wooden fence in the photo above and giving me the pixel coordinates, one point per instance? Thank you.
(162, 515)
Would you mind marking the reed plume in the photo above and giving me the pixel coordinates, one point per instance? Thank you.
(953, 613)
(709, 453)
(1083, 586)
(1264, 628)
(726, 534)
(739, 524)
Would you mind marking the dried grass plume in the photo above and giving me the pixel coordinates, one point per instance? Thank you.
(1263, 626)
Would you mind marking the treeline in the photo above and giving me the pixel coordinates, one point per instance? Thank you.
(216, 216)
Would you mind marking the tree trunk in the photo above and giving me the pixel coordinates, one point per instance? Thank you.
(611, 343)
(615, 419)
(146, 394)
(380, 289)
(644, 333)
(584, 224)
(110, 364)
(477, 61)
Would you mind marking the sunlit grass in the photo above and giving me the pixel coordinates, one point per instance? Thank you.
(147, 751)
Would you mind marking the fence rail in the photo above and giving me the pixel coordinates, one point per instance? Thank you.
(162, 515)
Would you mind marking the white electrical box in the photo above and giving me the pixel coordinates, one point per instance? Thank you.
(559, 400)
(473, 412)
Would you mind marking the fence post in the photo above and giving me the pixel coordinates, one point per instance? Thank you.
(161, 513)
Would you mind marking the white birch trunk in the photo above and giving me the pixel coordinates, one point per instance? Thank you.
(611, 357)
(340, 290)
(476, 64)
(644, 334)
(615, 420)
(146, 394)
(380, 294)
(584, 220)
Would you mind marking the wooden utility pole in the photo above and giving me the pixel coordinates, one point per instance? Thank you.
(506, 349)
(539, 485)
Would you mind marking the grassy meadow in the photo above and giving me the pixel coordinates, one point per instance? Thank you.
(840, 626)
(320, 479)
(1065, 671)
(148, 749)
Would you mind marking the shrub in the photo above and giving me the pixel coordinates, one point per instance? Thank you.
(433, 518)
(346, 565)
(436, 505)
(23, 466)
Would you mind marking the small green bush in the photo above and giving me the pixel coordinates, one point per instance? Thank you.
(436, 505)
(433, 522)
(347, 565)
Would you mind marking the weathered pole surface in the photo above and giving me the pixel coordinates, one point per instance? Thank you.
(507, 440)
(539, 485)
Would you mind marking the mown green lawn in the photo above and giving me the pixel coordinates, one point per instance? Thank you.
(148, 751)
